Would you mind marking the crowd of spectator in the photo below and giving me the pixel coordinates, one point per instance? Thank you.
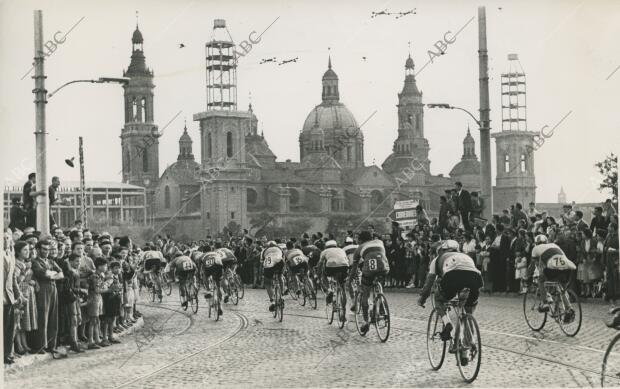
(76, 288)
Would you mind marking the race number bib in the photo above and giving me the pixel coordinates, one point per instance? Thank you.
(209, 262)
(268, 261)
(188, 266)
(296, 260)
(558, 262)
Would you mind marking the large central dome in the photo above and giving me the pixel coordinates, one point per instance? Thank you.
(339, 133)
(331, 116)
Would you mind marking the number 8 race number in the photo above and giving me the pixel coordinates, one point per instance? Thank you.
(372, 264)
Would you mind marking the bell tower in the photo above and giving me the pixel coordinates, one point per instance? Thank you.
(140, 135)
(222, 131)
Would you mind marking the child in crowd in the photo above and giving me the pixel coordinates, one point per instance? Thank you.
(96, 286)
(75, 312)
(112, 299)
(521, 271)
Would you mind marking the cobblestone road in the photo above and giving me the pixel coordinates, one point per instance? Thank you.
(248, 348)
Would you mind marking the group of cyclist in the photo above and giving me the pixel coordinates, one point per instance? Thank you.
(362, 258)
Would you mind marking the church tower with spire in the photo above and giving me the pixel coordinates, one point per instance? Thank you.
(467, 171)
(410, 145)
(140, 135)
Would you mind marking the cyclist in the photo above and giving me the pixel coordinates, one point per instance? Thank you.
(456, 271)
(297, 263)
(349, 249)
(313, 253)
(153, 261)
(370, 254)
(184, 268)
(229, 261)
(335, 263)
(212, 266)
(273, 264)
(553, 265)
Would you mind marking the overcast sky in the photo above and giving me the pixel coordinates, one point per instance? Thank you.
(568, 51)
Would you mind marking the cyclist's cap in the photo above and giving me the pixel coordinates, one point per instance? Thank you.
(540, 239)
(151, 255)
(271, 243)
(348, 240)
(449, 245)
(331, 243)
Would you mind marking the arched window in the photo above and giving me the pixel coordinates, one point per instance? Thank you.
(134, 110)
(167, 197)
(143, 110)
(229, 144)
(209, 146)
(145, 161)
(506, 164)
(523, 163)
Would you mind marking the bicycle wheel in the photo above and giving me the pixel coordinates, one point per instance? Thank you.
(291, 287)
(276, 299)
(381, 313)
(194, 298)
(181, 298)
(217, 306)
(302, 294)
(280, 308)
(341, 307)
(329, 312)
(610, 371)
(435, 347)
(359, 314)
(468, 348)
(531, 302)
(168, 286)
(311, 293)
(234, 293)
(570, 319)
(240, 286)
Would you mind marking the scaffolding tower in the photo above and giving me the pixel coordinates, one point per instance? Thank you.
(221, 69)
(514, 100)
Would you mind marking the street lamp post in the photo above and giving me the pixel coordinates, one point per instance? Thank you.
(42, 201)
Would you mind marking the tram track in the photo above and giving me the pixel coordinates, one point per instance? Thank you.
(493, 347)
(243, 324)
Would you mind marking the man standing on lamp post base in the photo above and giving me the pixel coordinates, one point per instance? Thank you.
(463, 204)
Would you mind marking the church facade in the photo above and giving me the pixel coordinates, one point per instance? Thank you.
(238, 176)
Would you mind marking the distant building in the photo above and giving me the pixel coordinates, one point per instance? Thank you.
(107, 203)
(562, 196)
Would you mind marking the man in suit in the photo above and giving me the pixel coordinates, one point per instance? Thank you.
(463, 203)
(10, 297)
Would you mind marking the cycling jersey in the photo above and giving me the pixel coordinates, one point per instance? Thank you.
(334, 257)
(451, 261)
(226, 255)
(271, 256)
(313, 253)
(372, 256)
(211, 259)
(552, 257)
(350, 251)
(183, 264)
(295, 257)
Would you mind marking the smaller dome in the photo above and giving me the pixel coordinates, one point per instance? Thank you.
(137, 36)
(466, 167)
(330, 74)
(468, 138)
(185, 138)
(409, 63)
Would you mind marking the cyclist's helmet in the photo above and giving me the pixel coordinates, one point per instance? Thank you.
(540, 239)
(331, 243)
(271, 243)
(449, 245)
